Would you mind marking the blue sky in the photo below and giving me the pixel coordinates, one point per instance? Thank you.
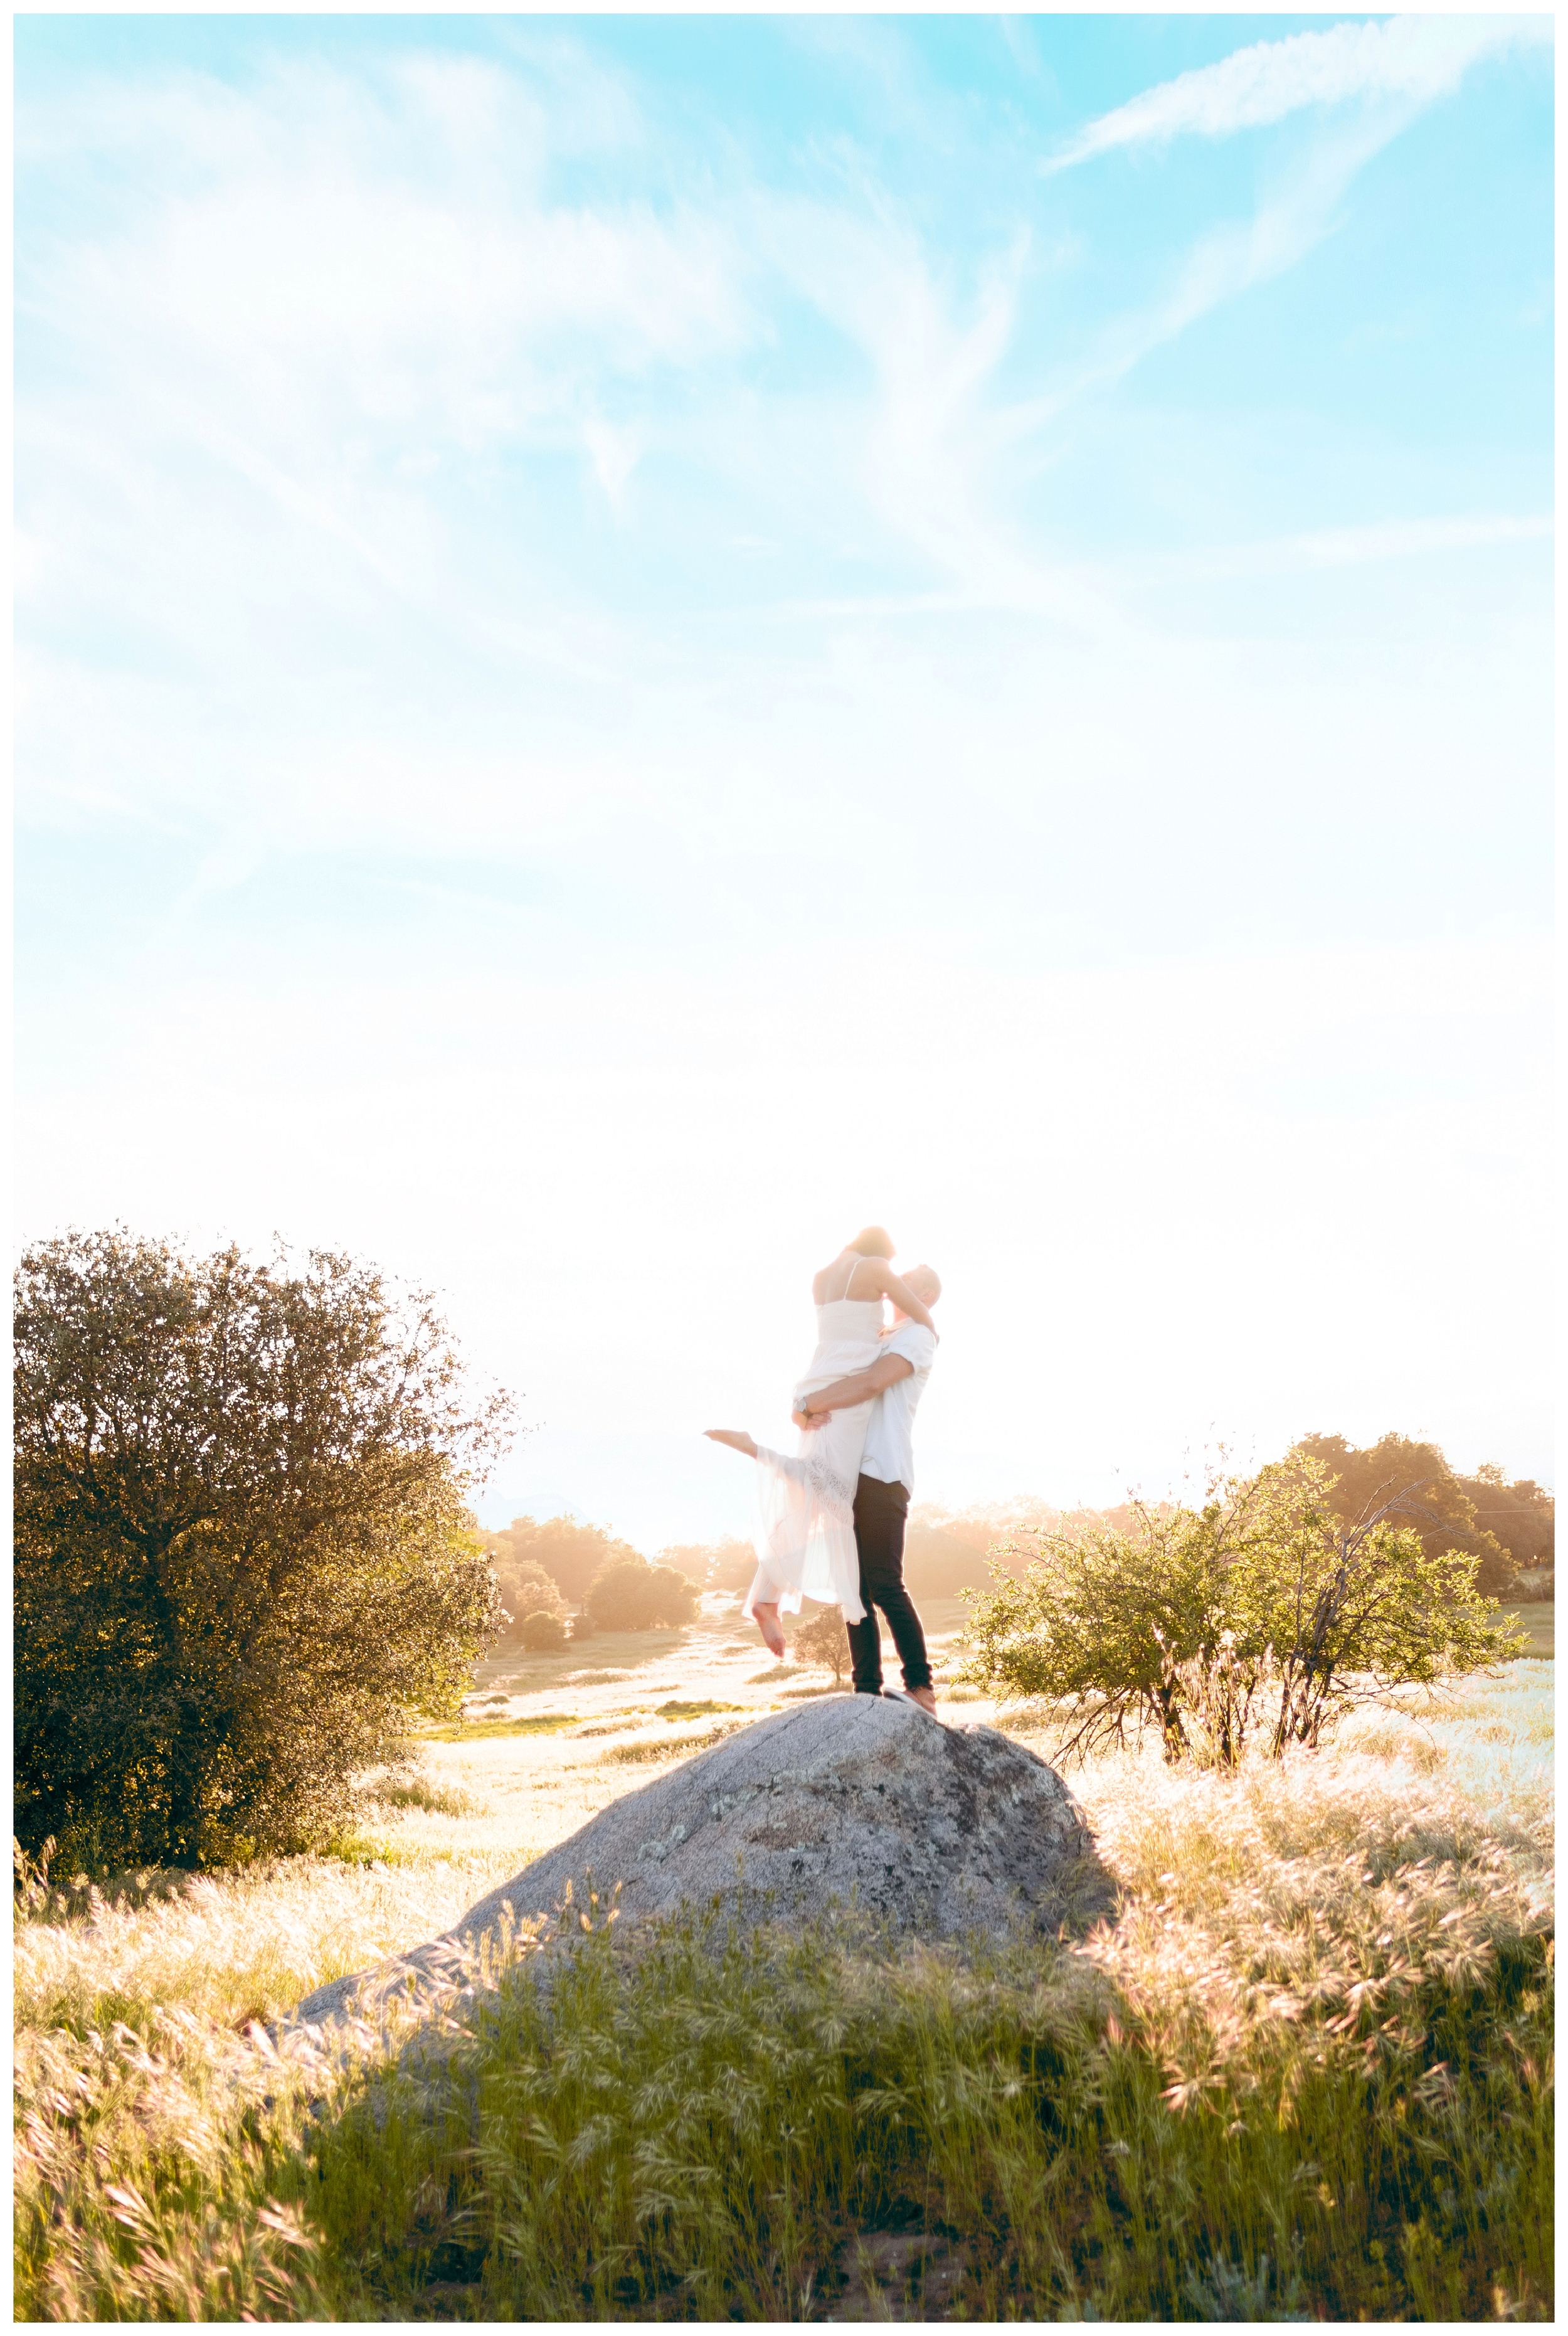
(641, 640)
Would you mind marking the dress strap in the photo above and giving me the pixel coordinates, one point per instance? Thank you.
(845, 1291)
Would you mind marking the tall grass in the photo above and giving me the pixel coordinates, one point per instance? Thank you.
(1307, 2071)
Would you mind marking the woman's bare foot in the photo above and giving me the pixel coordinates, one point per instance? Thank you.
(767, 1622)
(735, 1437)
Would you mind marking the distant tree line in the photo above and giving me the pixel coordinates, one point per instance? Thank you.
(560, 1576)
(1507, 1527)
(726, 1565)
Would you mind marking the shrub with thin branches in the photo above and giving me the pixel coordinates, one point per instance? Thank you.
(1262, 1611)
(823, 1643)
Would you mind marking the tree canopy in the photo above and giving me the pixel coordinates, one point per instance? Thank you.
(244, 1558)
(727, 1564)
(823, 1641)
(527, 1590)
(631, 1594)
(542, 1632)
(1521, 1514)
(948, 1551)
(1504, 1527)
(568, 1550)
(940, 1563)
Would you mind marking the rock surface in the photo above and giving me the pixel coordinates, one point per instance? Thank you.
(853, 1798)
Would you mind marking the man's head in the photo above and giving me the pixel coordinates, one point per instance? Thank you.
(923, 1281)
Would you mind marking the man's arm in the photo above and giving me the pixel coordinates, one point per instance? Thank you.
(885, 1372)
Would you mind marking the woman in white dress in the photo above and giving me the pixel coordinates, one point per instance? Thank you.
(805, 1538)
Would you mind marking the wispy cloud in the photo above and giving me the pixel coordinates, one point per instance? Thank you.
(920, 454)
(1408, 59)
(1358, 547)
(614, 454)
(287, 493)
(1225, 262)
(350, 334)
(381, 249)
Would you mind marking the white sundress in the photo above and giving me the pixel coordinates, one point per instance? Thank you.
(806, 1535)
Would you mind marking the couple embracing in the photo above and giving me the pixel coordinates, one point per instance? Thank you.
(832, 1512)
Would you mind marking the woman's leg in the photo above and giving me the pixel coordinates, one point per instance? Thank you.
(766, 1617)
(763, 1612)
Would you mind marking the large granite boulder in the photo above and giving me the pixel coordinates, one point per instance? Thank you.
(854, 1799)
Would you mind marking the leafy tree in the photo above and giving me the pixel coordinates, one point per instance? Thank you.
(948, 1551)
(631, 1594)
(938, 1563)
(542, 1633)
(1100, 1620)
(243, 1557)
(1261, 1610)
(691, 1558)
(1365, 1478)
(569, 1551)
(1522, 1515)
(823, 1643)
(527, 1589)
(727, 1564)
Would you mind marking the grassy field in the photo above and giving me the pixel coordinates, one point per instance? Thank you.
(1539, 1625)
(1306, 2072)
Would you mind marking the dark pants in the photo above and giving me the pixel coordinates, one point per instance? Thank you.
(879, 1511)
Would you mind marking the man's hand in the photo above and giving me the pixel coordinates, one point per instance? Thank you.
(844, 1394)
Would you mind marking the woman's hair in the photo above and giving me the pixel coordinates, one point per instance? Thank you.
(872, 1242)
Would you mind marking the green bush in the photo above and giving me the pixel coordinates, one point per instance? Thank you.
(526, 1590)
(243, 1560)
(1260, 1612)
(630, 1594)
(542, 1633)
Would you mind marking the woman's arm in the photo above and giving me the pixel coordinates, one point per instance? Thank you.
(898, 1291)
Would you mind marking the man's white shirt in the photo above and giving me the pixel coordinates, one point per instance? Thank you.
(889, 1454)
